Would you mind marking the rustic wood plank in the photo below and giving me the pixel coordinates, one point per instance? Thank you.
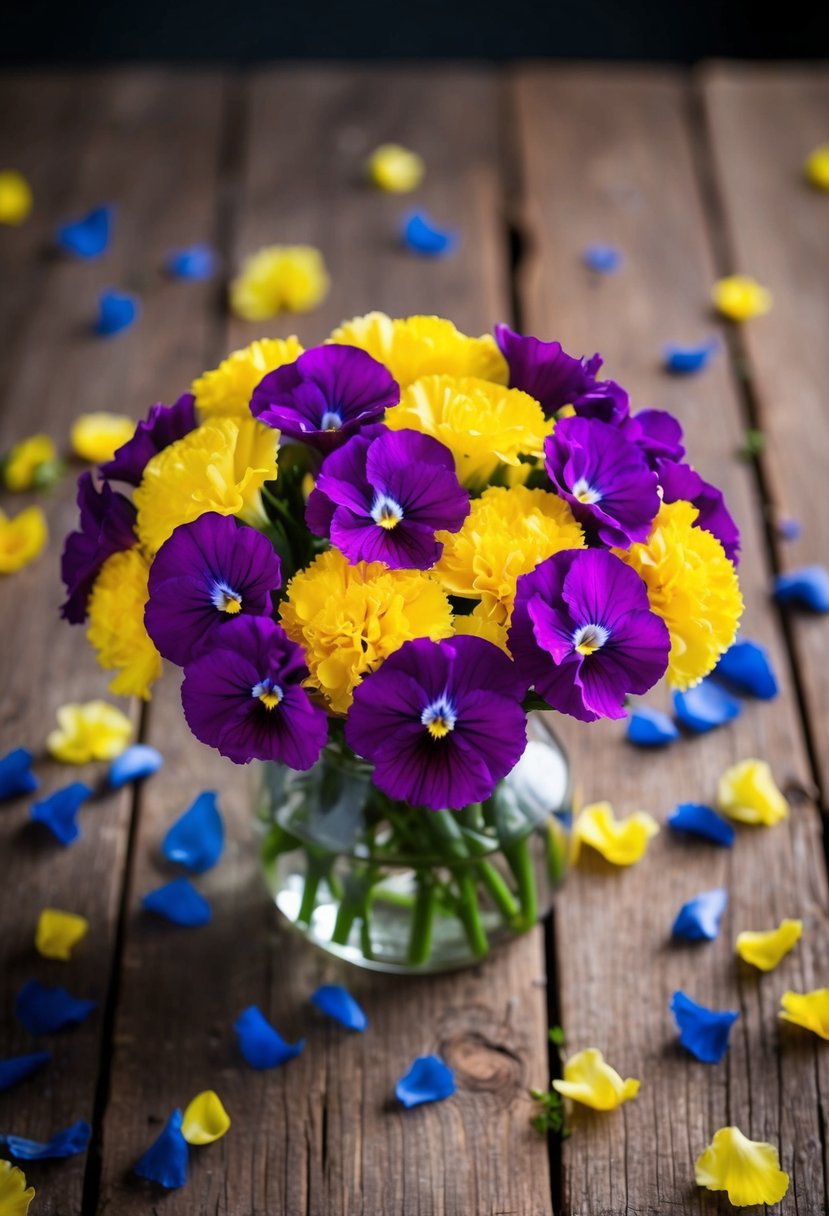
(606, 156)
(322, 1135)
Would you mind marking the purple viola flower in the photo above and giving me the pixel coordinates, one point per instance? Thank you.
(384, 495)
(244, 697)
(441, 721)
(204, 575)
(605, 478)
(583, 632)
(656, 433)
(106, 527)
(680, 481)
(325, 396)
(162, 426)
(554, 378)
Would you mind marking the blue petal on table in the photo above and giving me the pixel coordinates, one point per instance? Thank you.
(705, 707)
(136, 762)
(44, 1010)
(604, 259)
(165, 1161)
(16, 776)
(59, 811)
(789, 529)
(338, 1003)
(428, 1080)
(19, 1068)
(117, 310)
(699, 919)
(178, 901)
(423, 236)
(67, 1143)
(685, 360)
(197, 837)
(808, 587)
(89, 236)
(260, 1044)
(650, 728)
(701, 820)
(195, 262)
(703, 1032)
(747, 665)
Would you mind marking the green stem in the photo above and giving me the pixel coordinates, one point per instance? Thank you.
(557, 842)
(313, 876)
(520, 862)
(502, 897)
(420, 941)
(470, 913)
(346, 914)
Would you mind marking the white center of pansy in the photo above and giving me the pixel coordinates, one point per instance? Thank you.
(386, 512)
(268, 692)
(590, 638)
(584, 492)
(226, 599)
(331, 421)
(439, 718)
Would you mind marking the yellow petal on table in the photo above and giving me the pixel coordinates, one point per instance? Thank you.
(807, 1009)
(280, 278)
(23, 461)
(747, 792)
(620, 841)
(739, 297)
(23, 537)
(765, 950)
(589, 1080)
(817, 167)
(58, 933)
(747, 1170)
(15, 197)
(395, 169)
(94, 730)
(15, 1196)
(95, 437)
(205, 1119)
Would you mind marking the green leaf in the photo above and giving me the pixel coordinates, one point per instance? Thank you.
(556, 1035)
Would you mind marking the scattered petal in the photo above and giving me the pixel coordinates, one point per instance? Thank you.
(808, 588)
(197, 837)
(747, 1170)
(747, 792)
(136, 762)
(422, 235)
(705, 706)
(19, 1068)
(702, 821)
(807, 1009)
(205, 1119)
(196, 262)
(59, 811)
(788, 529)
(58, 933)
(67, 1143)
(117, 310)
(95, 437)
(15, 197)
(589, 1080)
(280, 278)
(94, 730)
(739, 297)
(23, 537)
(165, 1161)
(604, 259)
(87, 237)
(32, 464)
(16, 776)
(817, 167)
(703, 1032)
(337, 1002)
(747, 665)
(45, 1010)
(261, 1045)
(428, 1080)
(179, 901)
(395, 169)
(765, 950)
(699, 919)
(650, 728)
(685, 360)
(620, 841)
(15, 1196)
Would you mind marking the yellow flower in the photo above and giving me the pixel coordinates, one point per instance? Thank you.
(423, 346)
(747, 792)
(15, 1196)
(739, 297)
(58, 933)
(226, 390)
(22, 539)
(589, 1080)
(95, 437)
(477, 625)
(807, 1009)
(90, 731)
(817, 167)
(747, 1170)
(506, 534)
(395, 169)
(205, 1119)
(765, 950)
(349, 618)
(622, 842)
(21, 466)
(220, 466)
(694, 588)
(15, 197)
(279, 278)
(116, 624)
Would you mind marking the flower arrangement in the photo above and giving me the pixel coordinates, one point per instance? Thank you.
(390, 548)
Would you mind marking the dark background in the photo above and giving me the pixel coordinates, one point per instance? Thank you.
(94, 31)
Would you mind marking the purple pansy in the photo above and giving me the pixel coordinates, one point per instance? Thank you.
(207, 573)
(604, 477)
(106, 527)
(162, 426)
(442, 722)
(325, 396)
(680, 481)
(656, 433)
(555, 379)
(244, 697)
(583, 632)
(384, 495)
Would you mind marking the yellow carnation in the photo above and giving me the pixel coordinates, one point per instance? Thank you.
(478, 625)
(116, 624)
(395, 169)
(279, 278)
(15, 1195)
(22, 539)
(220, 466)
(95, 437)
(694, 588)
(24, 461)
(226, 390)
(92, 730)
(348, 619)
(423, 346)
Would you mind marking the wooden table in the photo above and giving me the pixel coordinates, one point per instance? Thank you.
(691, 177)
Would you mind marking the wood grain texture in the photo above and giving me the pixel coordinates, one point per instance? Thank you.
(606, 156)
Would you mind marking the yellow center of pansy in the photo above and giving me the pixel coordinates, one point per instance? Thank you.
(269, 693)
(439, 718)
(589, 639)
(386, 512)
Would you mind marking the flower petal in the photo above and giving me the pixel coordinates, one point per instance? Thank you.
(765, 950)
(91, 731)
(195, 262)
(260, 1044)
(685, 360)
(16, 776)
(591, 1081)
(807, 587)
(117, 310)
(337, 1002)
(739, 297)
(650, 728)
(178, 901)
(428, 1080)
(395, 169)
(197, 838)
(205, 1119)
(705, 707)
(15, 205)
(45, 1010)
(89, 236)
(702, 821)
(19, 1068)
(807, 1009)
(699, 919)
(67, 1143)
(58, 812)
(423, 236)
(165, 1161)
(747, 792)
(747, 1170)
(747, 665)
(136, 762)
(604, 259)
(14, 1194)
(622, 842)
(703, 1032)
(58, 933)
